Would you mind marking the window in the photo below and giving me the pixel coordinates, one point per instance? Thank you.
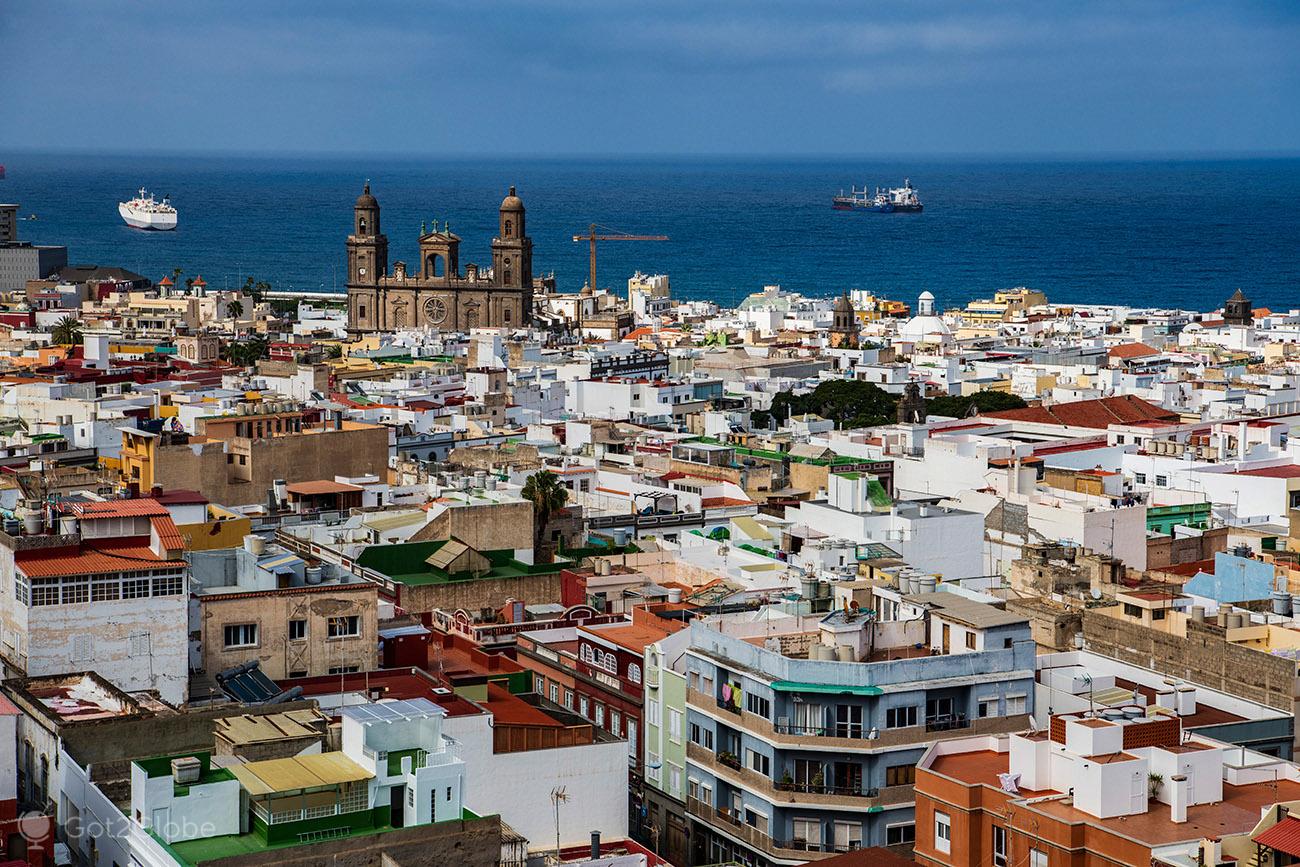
(758, 705)
(900, 717)
(758, 762)
(600, 715)
(988, 707)
(539, 684)
(674, 780)
(555, 693)
(22, 589)
(1140, 478)
(999, 846)
(1157, 614)
(652, 714)
(1015, 705)
(675, 725)
(848, 835)
(1131, 610)
(348, 626)
(1162, 481)
(702, 736)
(240, 635)
(1119, 439)
(568, 699)
(344, 669)
(297, 630)
(807, 834)
(135, 588)
(631, 738)
(970, 640)
(615, 723)
(297, 674)
(900, 775)
(633, 670)
(900, 835)
(105, 590)
(76, 590)
(45, 591)
(1037, 858)
(942, 833)
(168, 585)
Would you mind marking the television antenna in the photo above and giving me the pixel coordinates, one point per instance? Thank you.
(559, 795)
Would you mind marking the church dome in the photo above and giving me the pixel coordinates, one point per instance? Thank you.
(512, 202)
(925, 327)
(365, 200)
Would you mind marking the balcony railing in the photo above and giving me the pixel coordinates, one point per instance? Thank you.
(728, 706)
(814, 789)
(946, 722)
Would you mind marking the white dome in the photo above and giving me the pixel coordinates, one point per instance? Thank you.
(925, 329)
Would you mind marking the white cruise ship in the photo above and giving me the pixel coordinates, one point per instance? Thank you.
(145, 212)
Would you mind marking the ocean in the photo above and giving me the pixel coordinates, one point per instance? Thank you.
(1169, 232)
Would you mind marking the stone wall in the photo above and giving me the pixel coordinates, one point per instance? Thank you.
(1203, 657)
(480, 593)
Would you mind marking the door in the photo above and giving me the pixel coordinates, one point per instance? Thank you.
(848, 721)
(947, 638)
(848, 778)
(397, 805)
(159, 821)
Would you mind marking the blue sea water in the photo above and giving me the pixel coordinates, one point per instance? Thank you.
(1172, 232)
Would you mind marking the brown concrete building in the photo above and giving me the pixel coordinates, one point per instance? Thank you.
(436, 293)
(240, 468)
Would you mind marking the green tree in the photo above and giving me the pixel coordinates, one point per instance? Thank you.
(847, 402)
(335, 351)
(235, 309)
(246, 353)
(66, 331)
(973, 404)
(549, 498)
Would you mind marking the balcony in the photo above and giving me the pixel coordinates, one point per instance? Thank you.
(726, 767)
(856, 738)
(729, 823)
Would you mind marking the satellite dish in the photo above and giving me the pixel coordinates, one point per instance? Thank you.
(1095, 592)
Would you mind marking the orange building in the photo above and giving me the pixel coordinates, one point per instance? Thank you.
(1092, 792)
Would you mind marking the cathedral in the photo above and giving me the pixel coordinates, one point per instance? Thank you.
(435, 293)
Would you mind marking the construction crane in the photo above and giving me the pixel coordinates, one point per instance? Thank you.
(610, 235)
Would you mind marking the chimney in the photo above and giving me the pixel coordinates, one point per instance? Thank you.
(1178, 798)
(595, 845)
(1211, 852)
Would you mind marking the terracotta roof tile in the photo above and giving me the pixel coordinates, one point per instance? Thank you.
(102, 559)
(1096, 414)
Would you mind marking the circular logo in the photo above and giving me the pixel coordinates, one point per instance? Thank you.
(435, 310)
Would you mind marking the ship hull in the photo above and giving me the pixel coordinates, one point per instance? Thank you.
(141, 220)
(878, 209)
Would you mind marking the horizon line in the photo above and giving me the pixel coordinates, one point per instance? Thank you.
(464, 156)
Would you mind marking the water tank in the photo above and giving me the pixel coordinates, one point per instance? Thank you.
(926, 584)
(905, 585)
(845, 653)
(254, 545)
(1224, 611)
(1236, 621)
(32, 522)
(314, 574)
(674, 594)
(821, 651)
(1198, 613)
(1133, 711)
(13, 526)
(1295, 605)
(620, 536)
(1112, 713)
(67, 525)
(1281, 602)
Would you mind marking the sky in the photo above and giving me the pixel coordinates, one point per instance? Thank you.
(540, 77)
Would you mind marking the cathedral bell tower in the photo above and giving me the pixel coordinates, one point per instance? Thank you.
(367, 262)
(512, 249)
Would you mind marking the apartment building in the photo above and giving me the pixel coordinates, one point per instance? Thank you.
(803, 744)
(1093, 791)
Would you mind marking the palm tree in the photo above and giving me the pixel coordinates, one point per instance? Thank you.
(549, 498)
(235, 309)
(66, 331)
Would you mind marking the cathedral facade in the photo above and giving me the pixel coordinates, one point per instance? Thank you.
(435, 293)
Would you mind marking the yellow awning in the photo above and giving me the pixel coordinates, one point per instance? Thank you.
(300, 772)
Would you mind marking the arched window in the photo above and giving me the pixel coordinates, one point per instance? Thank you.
(361, 226)
(506, 276)
(505, 316)
(510, 227)
(634, 672)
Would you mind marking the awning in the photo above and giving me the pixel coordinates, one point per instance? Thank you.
(833, 689)
(1284, 837)
(277, 776)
